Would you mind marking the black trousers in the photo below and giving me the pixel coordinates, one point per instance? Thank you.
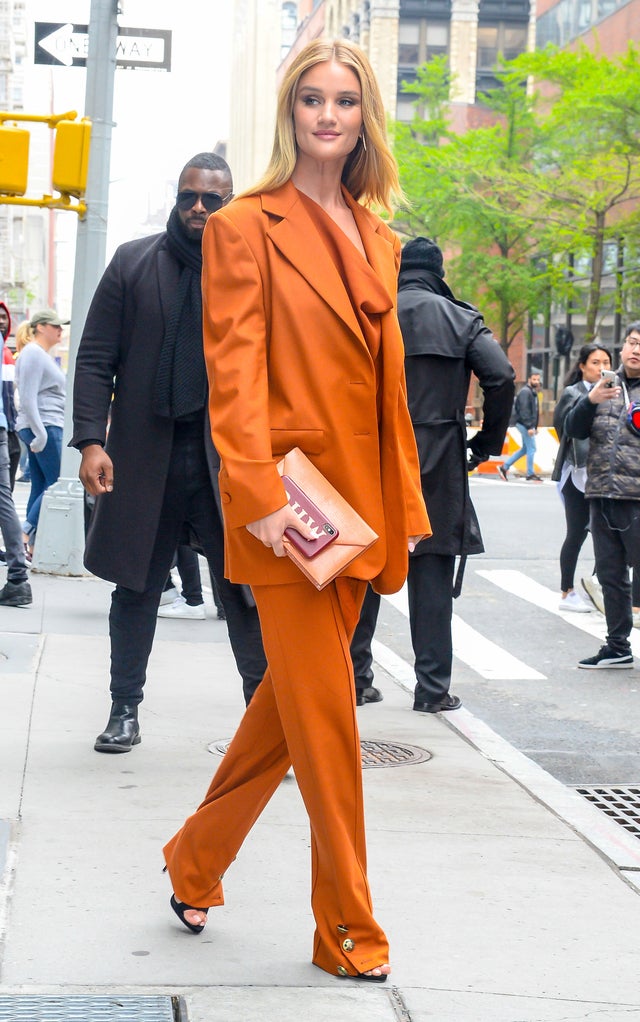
(188, 507)
(430, 586)
(361, 655)
(615, 528)
(186, 561)
(576, 512)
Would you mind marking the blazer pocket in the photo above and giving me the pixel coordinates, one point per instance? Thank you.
(311, 441)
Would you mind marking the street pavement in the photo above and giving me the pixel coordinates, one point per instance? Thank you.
(505, 896)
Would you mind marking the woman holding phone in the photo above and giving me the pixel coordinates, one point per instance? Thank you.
(570, 469)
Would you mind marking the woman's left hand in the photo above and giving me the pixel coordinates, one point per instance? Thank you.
(413, 542)
(270, 529)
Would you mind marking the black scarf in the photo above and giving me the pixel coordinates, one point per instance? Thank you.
(181, 379)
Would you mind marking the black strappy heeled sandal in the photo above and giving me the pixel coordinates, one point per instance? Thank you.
(180, 907)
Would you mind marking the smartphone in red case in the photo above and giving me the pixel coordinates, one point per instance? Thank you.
(311, 515)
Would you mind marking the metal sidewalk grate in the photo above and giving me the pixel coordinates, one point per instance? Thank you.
(621, 804)
(80, 1008)
(374, 754)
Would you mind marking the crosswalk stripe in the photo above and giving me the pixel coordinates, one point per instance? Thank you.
(486, 658)
(519, 584)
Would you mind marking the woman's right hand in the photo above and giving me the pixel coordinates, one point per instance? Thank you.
(38, 444)
(601, 391)
(270, 529)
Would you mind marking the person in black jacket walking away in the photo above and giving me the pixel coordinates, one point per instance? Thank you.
(445, 341)
(526, 412)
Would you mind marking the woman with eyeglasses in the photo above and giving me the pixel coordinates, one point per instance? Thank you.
(304, 350)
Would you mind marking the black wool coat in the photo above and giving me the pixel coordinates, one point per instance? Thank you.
(114, 380)
(445, 341)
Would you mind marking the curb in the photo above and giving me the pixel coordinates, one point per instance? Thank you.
(611, 841)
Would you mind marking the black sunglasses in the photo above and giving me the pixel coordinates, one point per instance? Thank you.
(211, 201)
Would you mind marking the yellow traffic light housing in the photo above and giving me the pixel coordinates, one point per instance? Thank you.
(71, 157)
(70, 160)
(14, 159)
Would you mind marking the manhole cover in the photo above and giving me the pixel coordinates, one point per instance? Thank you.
(374, 754)
(92, 1009)
(621, 804)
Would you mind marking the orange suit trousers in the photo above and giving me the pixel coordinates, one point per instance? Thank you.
(303, 713)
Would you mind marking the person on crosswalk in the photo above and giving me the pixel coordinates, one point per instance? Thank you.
(445, 341)
(570, 470)
(527, 413)
(609, 417)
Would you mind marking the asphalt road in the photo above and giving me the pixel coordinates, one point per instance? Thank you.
(581, 726)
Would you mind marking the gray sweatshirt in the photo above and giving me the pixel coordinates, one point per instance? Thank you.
(41, 388)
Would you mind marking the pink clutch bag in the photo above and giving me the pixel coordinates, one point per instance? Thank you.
(342, 535)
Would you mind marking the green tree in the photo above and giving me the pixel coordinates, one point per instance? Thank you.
(585, 181)
(557, 173)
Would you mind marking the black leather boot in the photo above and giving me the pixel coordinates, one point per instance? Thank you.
(122, 730)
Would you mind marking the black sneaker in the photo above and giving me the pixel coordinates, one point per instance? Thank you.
(607, 657)
(534, 478)
(16, 594)
(503, 473)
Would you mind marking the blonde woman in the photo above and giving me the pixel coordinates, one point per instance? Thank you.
(304, 350)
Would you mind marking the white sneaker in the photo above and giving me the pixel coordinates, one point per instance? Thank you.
(593, 589)
(573, 602)
(181, 609)
(169, 596)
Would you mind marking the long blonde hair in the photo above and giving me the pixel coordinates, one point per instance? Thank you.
(371, 172)
(24, 334)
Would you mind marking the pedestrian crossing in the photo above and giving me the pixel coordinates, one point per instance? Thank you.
(487, 658)
(517, 583)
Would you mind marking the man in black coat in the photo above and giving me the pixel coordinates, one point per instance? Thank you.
(140, 421)
(445, 341)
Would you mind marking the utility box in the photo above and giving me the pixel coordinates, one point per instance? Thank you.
(71, 157)
(14, 160)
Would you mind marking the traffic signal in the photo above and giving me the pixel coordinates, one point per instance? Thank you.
(14, 159)
(564, 340)
(71, 157)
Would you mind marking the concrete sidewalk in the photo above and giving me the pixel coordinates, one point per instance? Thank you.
(496, 909)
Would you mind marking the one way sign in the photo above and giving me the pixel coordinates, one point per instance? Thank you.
(66, 44)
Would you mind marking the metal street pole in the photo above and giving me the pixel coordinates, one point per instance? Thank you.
(59, 543)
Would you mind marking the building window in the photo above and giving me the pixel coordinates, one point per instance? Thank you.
(419, 40)
(499, 40)
(409, 43)
(570, 18)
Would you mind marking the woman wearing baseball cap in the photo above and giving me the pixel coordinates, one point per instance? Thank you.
(41, 389)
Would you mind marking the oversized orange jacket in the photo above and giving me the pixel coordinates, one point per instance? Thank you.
(288, 367)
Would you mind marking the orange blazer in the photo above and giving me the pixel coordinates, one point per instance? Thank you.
(288, 367)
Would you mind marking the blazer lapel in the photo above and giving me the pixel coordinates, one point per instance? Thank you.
(290, 235)
(376, 246)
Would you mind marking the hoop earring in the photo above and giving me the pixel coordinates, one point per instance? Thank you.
(364, 142)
